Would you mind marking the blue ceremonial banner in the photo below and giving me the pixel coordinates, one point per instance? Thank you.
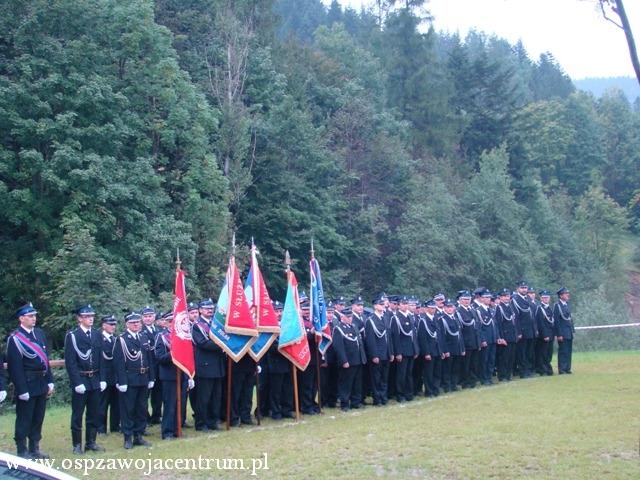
(319, 307)
(233, 344)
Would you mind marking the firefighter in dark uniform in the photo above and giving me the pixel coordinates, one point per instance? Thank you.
(3, 380)
(333, 368)
(564, 330)
(546, 335)
(430, 349)
(351, 357)
(470, 329)
(390, 319)
(280, 380)
(194, 314)
(324, 363)
(455, 352)
(307, 379)
(83, 361)
(417, 381)
(151, 331)
(168, 374)
(404, 349)
(488, 336)
(358, 319)
(210, 370)
(134, 375)
(109, 396)
(28, 366)
(505, 319)
(377, 340)
(526, 330)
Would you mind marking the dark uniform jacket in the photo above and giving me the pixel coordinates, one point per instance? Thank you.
(403, 334)
(488, 326)
(562, 319)
(429, 338)
(470, 328)
(83, 358)
(278, 363)
(106, 365)
(524, 312)
(26, 370)
(348, 345)
(507, 324)
(210, 358)
(377, 338)
(132, 360)
(311, 339)
(545, 322)
(358, 322)
(162, 351)
(452, 334)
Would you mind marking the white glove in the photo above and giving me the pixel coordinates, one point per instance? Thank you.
(50, 385)
(103, 386)
(259, 369)
(121, 388)
(81, 389)
(190, 384)
(3, 395)
(24, 397)
(151, 384)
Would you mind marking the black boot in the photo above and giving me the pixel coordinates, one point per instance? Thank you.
(21, 447)
(138, 440)
(91, 441)
(34, 450)
(128, 444)
(76, 439)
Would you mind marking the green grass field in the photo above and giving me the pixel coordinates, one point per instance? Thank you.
(585, 425)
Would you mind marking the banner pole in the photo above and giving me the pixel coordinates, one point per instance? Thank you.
(296, 400)
(229, 373)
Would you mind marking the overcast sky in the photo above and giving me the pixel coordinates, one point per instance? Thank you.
(574, 31)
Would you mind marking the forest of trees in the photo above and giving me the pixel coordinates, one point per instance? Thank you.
(417, 161)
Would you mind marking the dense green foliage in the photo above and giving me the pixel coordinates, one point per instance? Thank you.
(415, 160)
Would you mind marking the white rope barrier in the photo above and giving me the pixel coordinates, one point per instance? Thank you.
(620, 325)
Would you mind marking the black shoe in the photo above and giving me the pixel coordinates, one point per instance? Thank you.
(287, 415)
(276, 416)
(128, 444)
(138, 440)
(247, 422)
(168, 437)
(344, 409)
(202, 429)
(187, 425)
(94, 447)
(77, 449)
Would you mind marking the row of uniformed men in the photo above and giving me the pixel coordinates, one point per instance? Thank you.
(406, 345)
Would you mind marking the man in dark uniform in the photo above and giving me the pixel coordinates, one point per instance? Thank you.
(83, 361)
(307, 379)
(168, 374)
(324, 363)
(194, 314)
(109, 396)
(350, 355)
(470, 329)
(358, 319)
(134, 373)
(210, 370)
(28, 365)
(564, 330)
(454, 354)
(430, 349)
(330, 356)
(546, 335)
(488, 336)
(3, 380)
(505, 318)
(151, 331)
(404, 349)
(379, 351)
(389, 318)
(415, 309)
(526, 330)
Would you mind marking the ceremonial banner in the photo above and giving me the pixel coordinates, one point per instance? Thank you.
(181, 345)
(233, 344)
(318, 307)
(238, 316)
(261, 307)
(293, 342)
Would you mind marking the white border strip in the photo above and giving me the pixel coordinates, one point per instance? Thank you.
(620, 325)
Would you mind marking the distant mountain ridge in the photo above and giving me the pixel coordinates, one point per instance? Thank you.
(598, 86)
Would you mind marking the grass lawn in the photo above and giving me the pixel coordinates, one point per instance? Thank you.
(585, 425)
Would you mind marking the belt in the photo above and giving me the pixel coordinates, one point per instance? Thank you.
(36, 373)
(88, 373)
(141, 370)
